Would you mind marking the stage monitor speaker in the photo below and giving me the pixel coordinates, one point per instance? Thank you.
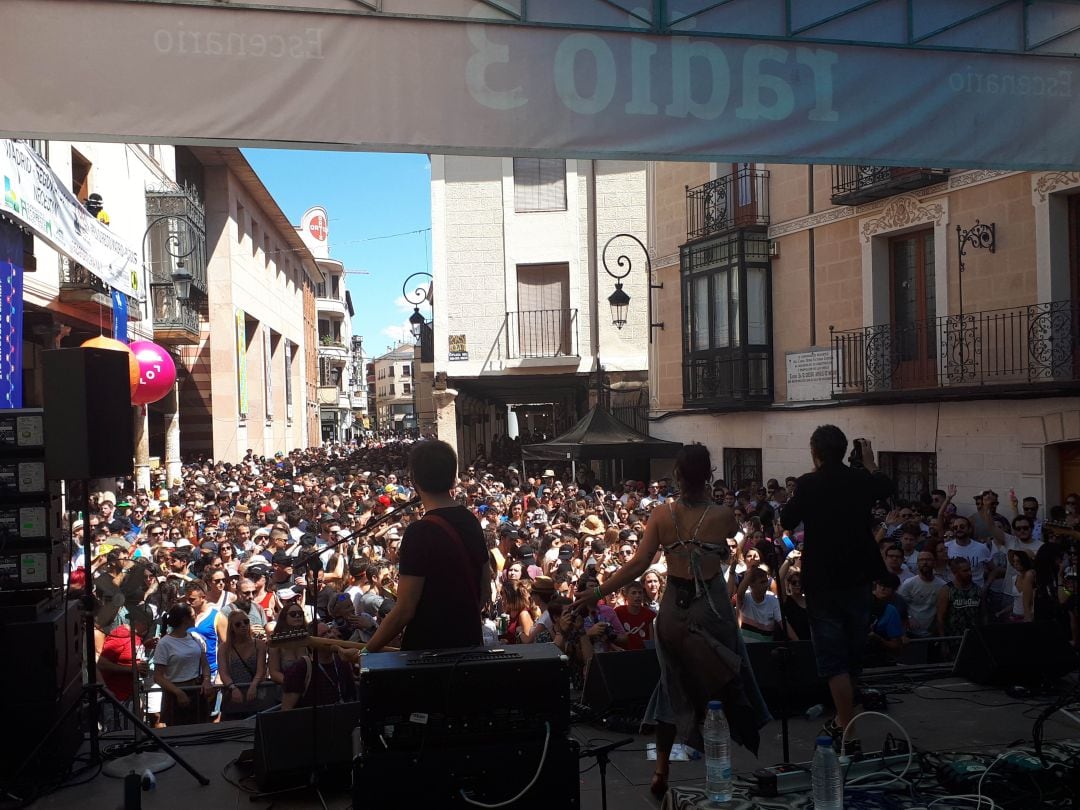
(1015, 654)
(88, 422)
(490, 773)
(290, 746)
(621, 681)
(786, 674)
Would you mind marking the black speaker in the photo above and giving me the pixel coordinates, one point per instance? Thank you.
(786, 674)
(88, 422)
(531, 772)
(1015, 654)
(621, 681)
(292, 745)
(42, 688)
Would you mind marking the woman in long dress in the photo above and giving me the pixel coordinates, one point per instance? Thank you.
(702, 657)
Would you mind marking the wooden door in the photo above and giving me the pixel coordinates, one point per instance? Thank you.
(913, 314)
(744, 194)
(1069, 461)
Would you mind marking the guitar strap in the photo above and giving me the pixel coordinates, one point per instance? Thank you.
(459, 544)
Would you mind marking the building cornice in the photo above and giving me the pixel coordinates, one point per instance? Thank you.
(839, 213)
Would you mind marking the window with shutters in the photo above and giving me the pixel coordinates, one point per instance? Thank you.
(539, 185)
(544, 320)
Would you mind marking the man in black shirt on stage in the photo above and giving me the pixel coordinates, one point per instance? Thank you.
(840, 559)
(443, 574)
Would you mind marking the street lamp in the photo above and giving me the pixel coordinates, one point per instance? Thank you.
(620, 299)
(420, 295)
(179, 244)
(181, 279)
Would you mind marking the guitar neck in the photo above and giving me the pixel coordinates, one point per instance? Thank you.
(318, 641)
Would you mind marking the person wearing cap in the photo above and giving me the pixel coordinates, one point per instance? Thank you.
(444, 573)
(96, 206)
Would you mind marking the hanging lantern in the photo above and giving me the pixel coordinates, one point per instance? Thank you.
(157, 372)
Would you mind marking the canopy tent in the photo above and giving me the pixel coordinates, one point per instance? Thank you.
(599, 435)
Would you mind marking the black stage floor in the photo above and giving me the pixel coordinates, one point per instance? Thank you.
(939, 715)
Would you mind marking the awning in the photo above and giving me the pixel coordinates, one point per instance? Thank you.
(400, 417)
(599, 435)
(39, 200)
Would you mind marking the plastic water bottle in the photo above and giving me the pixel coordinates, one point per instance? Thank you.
(826, 778)
(717, 754)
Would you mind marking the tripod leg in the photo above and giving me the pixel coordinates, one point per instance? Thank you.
(149, 732)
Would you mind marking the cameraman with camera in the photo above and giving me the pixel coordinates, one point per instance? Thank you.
(840, 558)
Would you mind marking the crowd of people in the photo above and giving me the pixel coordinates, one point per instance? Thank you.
(251, 584)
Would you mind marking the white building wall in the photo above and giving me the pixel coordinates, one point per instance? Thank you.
(479, 240)
(996, 444)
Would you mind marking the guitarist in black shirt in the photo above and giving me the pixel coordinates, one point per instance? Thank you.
(444, 576)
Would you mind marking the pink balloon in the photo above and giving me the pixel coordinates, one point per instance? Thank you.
(157, 372)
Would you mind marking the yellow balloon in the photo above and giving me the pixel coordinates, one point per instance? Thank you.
(102, 342)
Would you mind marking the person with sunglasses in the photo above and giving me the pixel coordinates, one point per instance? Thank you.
(242, 668)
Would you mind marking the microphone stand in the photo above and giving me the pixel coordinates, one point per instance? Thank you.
(601, 752)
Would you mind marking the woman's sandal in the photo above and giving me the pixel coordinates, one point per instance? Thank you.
(658, 785)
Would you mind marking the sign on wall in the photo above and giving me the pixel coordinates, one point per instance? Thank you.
(809, 375)
(11, 315)
(584, 89)
(241, 363)
(459, 347)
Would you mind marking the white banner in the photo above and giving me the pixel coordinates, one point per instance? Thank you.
(35, 196)
(142, 71)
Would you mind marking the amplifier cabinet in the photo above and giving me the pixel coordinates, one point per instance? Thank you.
(491, 773)
(424, 699)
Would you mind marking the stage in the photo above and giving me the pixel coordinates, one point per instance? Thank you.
(947, 714)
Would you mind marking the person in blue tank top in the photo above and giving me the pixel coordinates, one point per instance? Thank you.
(210, 624)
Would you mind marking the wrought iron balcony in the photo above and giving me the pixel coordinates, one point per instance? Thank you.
(541, 333)
(1037, 344)
(854, 185)
(175, 322)
(737, 200)
(176, 233)
(75, 277)
(78, 286)
(728, 377)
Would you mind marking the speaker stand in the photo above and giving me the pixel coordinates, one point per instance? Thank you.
(601, 752)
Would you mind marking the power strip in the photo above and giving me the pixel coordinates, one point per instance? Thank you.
(778, 780)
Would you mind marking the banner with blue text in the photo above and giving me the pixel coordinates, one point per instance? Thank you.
(275, 76)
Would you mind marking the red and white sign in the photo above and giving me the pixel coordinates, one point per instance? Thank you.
(317, 227)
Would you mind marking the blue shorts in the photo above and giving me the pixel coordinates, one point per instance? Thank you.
(839, 626)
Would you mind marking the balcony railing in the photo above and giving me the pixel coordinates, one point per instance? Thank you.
(174, 321)
(854, 185)
(541, 333)
(1033, 344)
(176, 223)
(75, 277)
(728, 377)
(737, 200)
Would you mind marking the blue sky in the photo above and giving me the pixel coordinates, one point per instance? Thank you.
(370, 198)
